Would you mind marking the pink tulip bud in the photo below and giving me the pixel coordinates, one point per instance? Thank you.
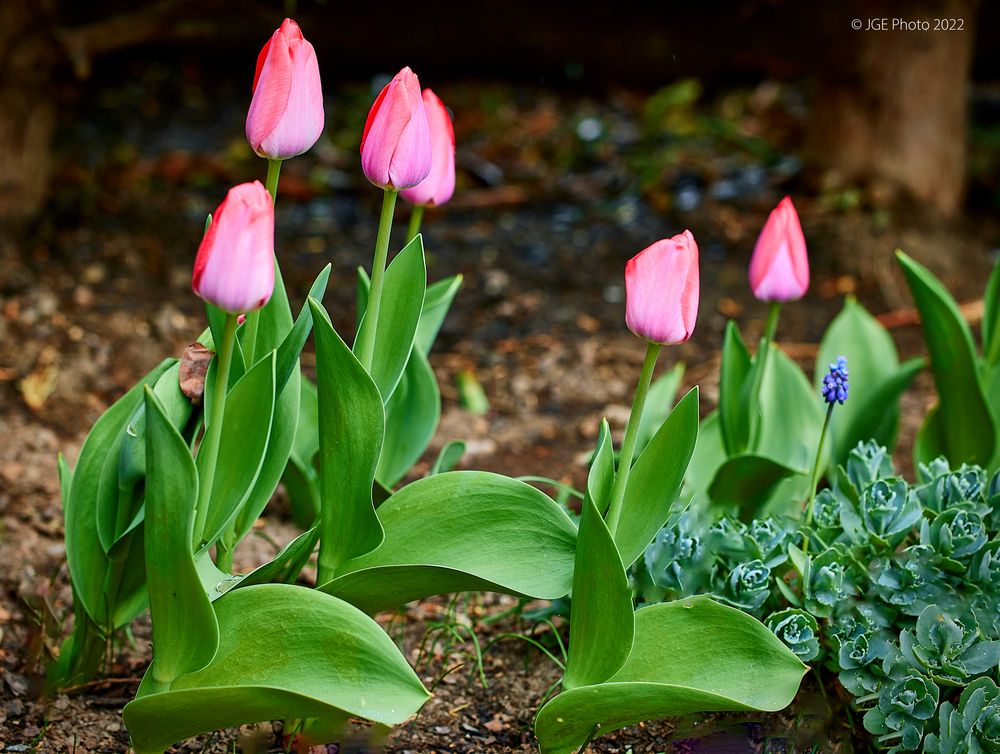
(436, 188)
(396, 144)
(779, 267)
(661, 290)
(286, 113)
(234, 269)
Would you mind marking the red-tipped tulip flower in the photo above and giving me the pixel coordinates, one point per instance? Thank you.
(662, 289)
(779, 267)
(234, 269)
(436, 188)
(396, 144)
(286, 113)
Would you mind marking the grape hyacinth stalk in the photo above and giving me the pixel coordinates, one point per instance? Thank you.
(834, 391)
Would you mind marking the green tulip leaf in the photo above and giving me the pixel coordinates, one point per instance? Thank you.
(876, 380)
(291, 347)
(300, 478)
(448, 458)
(601, 479)
(964, 425)
(655, 482)
(748, 482)
(351, 426)
(601, 610)
(991, 319)
(692, 655)
(438, 300)
(734, 382)
(709, 455)
(246, 430)
(412, 416)
(287, 564)
(185, 631)
(85, 554)
(462, 531)
(792, 414)
(285, 652)
(659, 401)
(402, 301)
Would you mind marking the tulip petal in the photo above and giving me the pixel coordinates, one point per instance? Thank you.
(779, 266)
(662, 290)
(439, 185)
(395, 147)
(286, 112)
(234, 269)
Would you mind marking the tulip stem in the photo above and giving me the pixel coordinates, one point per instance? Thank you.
(631, 437)
(773, 312)
(416, 218)
(209, 450)
(271, 182)
(250, 339)
(366, 338)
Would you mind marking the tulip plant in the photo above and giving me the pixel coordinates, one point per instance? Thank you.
(624, 667)
(964, 427)
(757, 451)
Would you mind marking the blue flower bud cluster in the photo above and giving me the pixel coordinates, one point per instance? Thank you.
(835, 383)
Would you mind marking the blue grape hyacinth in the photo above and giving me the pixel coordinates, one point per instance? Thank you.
(835, 383)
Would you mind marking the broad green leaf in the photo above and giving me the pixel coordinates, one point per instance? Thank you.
(301, 483)
(129, 599)
(291, 347)
(287, 564)
(216, 326)
(692, 655)
(279, 448)
(438, 300)
(300, 477)
(659, 401)
(965, 425)
(185, 632)
(734, 403)
(747, 481)
(412, 415)
(877, 412)
(448, 458)
(875, 373)
(285, 652)
(85, 555)
(462, 531)
(351, 426)
(275, 318)
(655, 483)
(246, 428)
(601, 610)
(709, 455)
(131, 467)
(792, 414)
(399, 313)
(991, 319)
(601, 479)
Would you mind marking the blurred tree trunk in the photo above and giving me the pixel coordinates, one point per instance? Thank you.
(28, 56)
(893, 114)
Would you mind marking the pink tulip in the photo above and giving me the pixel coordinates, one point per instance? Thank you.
(286, 113)
(234, 269)
(396, 144)
(661, 290)
(436, 188)
(779, 267)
